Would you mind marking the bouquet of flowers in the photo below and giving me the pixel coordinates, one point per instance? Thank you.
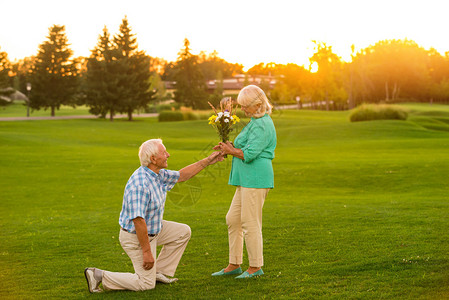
(223, 120)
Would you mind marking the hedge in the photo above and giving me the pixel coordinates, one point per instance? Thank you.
(369, 112)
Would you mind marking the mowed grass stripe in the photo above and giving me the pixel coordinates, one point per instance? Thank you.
(359, 210)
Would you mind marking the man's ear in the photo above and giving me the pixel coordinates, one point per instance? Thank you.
(153, 159)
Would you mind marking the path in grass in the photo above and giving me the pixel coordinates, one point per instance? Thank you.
(119, 116)
(359, 210)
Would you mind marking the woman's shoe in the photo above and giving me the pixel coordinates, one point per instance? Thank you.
(247, 275)
(233, 272)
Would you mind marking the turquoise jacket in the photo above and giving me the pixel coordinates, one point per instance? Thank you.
(257, 141)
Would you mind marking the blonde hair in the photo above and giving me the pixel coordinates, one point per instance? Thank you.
(253, 95)
(148, 149)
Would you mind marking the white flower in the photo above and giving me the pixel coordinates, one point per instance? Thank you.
(227, 114)
(226, 120)
(217, 119)
(220, 114)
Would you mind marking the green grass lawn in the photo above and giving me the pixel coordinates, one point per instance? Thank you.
(18, 109)
(359, 210)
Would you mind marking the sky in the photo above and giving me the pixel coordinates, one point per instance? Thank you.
(241, 31)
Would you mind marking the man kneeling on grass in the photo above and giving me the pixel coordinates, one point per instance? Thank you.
(142, 226)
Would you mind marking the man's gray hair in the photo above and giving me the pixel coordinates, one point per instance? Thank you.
(148, 149)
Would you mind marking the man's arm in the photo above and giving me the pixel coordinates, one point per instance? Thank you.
(142, 235)
(191, 170)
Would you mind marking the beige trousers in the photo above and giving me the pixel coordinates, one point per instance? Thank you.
(244, 220)
(174, 238)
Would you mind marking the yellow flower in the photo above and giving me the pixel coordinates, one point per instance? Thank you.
(212, 119)
(235, 119)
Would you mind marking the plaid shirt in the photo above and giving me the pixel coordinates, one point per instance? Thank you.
(144, 197)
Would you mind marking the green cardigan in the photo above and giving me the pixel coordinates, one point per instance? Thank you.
(257, 141)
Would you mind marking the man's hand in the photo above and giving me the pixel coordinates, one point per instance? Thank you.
(214, 158)
(142, 235)
(228, 148)
(191, 170)
(148, 260)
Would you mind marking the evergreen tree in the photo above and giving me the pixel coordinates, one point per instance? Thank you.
(54, 77)
(100, 80)
(134, 80)
(118, 75)
(190, 85)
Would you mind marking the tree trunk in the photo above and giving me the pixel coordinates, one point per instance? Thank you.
(111, 116)
(327, 101)
(52, 111)
(130, 115)
(351, 84)
(395, 91)
(386, 91)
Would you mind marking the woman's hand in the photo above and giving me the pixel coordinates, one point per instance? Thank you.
(228, 148)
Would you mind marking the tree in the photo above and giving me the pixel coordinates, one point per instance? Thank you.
(190, 85)
(217, 96)
(212, 64)
(329, 74)
(135, 78)
(4, 78)
(158, 86)
(101, 84)
(22, 71)
(390, 70)
(54, 76)
(118, 75)
(292, 81)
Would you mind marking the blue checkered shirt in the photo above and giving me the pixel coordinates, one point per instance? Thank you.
(145, 195)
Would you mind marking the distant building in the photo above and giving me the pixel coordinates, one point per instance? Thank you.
(232, 86)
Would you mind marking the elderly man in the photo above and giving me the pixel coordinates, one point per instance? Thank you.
(142, 224)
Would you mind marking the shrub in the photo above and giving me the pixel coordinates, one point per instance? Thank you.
(190, 115)
(169, 106)
(369, 112)
(168, 115)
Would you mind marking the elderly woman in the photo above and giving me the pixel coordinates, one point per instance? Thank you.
(252, 174)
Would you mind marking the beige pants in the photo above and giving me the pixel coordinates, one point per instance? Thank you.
(174, 238)
(244, 220)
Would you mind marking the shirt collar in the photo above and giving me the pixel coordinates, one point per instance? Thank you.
(150, 172)
(254, 118)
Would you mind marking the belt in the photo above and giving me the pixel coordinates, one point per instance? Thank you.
(150, 234)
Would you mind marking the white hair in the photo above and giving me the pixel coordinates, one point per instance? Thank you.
(253, 95)
(147, 150)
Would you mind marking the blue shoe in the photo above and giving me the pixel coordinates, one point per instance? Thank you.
(233, 272)
(247, 275)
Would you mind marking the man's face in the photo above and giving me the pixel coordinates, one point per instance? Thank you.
(160, 160)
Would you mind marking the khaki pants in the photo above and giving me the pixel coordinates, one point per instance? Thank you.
(244, 220)
(174, 238)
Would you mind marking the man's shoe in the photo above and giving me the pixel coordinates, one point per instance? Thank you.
(164, 279)
(233, 272)
(247, 275)
(92, 283)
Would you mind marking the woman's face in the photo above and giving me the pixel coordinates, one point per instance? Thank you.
(250, 110)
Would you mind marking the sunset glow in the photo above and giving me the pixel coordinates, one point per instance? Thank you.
(245, 32)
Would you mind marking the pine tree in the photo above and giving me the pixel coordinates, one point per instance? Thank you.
(118, 75)
(54, 77)
(134, 78)
(100, 84)
(190, 85)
